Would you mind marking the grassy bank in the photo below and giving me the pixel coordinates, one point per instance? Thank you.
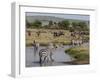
(80, 53)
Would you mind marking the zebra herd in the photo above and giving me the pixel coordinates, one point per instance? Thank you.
(78, 38)
(76, 42)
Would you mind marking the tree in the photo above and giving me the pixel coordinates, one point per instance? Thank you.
(60, 25)
(28, 25)
(74, 24)
(80, 26)
(83, 25)
(37, 24)
(50, 23)
(64, 24)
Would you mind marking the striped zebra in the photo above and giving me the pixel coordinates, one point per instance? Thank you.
(36, 48)
(76, 42)
(45, 55)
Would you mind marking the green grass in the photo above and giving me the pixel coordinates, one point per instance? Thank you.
(80, 53)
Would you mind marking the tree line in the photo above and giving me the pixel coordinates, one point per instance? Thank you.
(64, 24)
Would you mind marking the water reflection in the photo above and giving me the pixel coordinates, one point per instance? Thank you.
(59, 56)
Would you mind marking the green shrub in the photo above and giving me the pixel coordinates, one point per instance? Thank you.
(79, 55)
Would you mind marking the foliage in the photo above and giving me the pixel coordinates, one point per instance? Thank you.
(80, 26)
(50, 23)
(65, 24)
(83, 25)
(36, 24)
(79, 53)
(28, 25)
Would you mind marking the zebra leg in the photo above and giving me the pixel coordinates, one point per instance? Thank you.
(45, 58)
(40, 60)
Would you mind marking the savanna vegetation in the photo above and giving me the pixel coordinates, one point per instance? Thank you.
(70, 25)
(44, 34)
(62, 32)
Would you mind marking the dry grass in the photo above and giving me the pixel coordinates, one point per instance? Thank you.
(46, 36)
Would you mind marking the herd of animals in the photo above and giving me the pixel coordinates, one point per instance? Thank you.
(45, 54)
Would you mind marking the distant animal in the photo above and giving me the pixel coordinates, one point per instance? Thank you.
(72, 34)
(38, 33)
(76, 42)
(36, 47)
(29, 33)
(57, 34)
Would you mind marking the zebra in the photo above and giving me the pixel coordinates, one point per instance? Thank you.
(76, 42)
(45, 55)
(36, 48)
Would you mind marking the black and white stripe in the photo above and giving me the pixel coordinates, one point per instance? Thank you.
(44, 55)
